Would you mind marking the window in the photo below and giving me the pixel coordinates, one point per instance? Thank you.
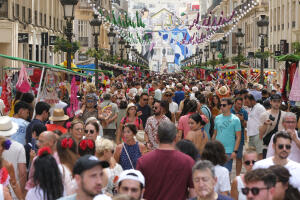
(17, 11)
(29, 16)
(45, 20)
(170, 52)
(23, 14)
(61, 24)
(36, 17)
(50, 22)
(4, 9)
(41, 19)
(293, 24)
(57, 23)
(83, 32)
(54, 23)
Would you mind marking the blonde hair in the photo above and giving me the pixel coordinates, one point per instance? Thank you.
(249, 150)
(90, 88)
(102, 145)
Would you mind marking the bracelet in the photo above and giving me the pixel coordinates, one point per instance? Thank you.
(235, 152)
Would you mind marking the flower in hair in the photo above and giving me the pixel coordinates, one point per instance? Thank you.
(44, 151)
(7, 144)
(83, 144)
(90, 144)
(67, 143)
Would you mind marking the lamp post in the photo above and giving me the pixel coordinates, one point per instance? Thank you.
(200, 54)
(121, 43)
(239, 35)
(96, 23)
(111, 35)
(213, 48)
(206, 53)
(223, 50)
(68, 6)
(127, 47)
(262, 24)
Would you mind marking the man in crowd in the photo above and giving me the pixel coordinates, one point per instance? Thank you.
(152, 125)
(271, 120)
(173, 107)
(88, 173)
(157, 91)
(179, 94)
(59, 119)
(16, 152)
(168, 172)
(289, 124)
(260, 184)
(143, 109)
(204, 180)
(242, 114)
(109, 130)
(282, 148)
(21, 114)
(254, 115)
(41, 117)
(255, 92)
(228, 131)
(132, 183)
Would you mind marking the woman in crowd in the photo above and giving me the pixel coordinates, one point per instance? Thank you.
(215, 105)
(47, 178)
(151, 101)
(91, 130)
(165, 106)
(86, 146)
(7, 172)
(249, 158)
(197, 133)
(214, 151)
(93, 119)
(67, 152)
(188, 147)
(131, 118)
(104, 151)
(76, 130)
(183, 108)
(130, 151)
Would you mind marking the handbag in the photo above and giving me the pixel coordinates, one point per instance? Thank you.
(268, 137)
(23, 83)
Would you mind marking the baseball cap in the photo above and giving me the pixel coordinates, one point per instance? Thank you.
(87, 162)
(132, 174)
(275, 97)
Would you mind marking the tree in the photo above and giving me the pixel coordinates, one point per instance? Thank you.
(238, 59)
(63, 45)
(296, 48)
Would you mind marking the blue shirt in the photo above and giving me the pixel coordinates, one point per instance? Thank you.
(226, 127)
(179, 96)
(207, 113)
(20, 135)
(245, 115)
(256, 94)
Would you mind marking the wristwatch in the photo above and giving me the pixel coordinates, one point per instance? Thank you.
(235, 152)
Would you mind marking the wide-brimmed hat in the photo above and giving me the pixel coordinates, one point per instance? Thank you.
(129, 106)
(223, 90)
(58, 115)
(7, 126)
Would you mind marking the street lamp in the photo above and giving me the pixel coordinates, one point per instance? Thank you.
(213, 48)
(111, 35)
(206, 53)
(121, 43)
(263, 25)
(127, 47)
(96, 23)
(239, 35)
(200, 54)
(68, 6)
(223, 49)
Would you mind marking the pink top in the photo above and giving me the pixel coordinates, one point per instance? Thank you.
(183, 124)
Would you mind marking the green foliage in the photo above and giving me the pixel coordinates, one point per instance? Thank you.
(263, 55)
(63, 45)
(212, 62)
(238, 59)
(223, 61)
(296, 48)
(95, 54)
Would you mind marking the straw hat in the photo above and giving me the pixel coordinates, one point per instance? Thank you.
(129, 106)
(223, 90)
(140, 136)
(7, 126)
(58, 115)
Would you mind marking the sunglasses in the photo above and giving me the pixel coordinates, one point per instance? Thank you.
(248, 162)
(155, 108)
(290, 122)
(224, 105)
(287, 146)
(87, 131)
(145, 99)
(255, 190)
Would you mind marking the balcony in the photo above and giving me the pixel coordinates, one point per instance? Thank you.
(241, 6)
(118, 2)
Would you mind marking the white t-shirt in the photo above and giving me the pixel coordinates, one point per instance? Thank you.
(2, 106)
(254, 119)
(292, 166)
(173, 107)
(223, 179)
(69, 182)
(295, 151)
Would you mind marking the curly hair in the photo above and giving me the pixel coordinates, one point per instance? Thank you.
(214, 151)
(48, 177)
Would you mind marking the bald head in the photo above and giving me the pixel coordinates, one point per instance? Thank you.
(47, 138)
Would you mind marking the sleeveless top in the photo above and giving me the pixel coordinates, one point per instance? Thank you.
(240, 185)
(134, 154)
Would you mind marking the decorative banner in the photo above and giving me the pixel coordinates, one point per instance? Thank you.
(51, 85)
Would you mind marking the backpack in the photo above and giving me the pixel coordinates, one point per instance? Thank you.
(211, 121)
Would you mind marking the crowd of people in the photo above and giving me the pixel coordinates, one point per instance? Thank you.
(159, 138)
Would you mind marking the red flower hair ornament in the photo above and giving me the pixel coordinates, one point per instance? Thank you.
(67, 143)
(44, 151)
(86, 143)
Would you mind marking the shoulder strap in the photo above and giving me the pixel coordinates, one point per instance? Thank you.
(209, 113)
(128, 156)
(277, 123)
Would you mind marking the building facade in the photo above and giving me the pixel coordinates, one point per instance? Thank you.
(28, 30)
